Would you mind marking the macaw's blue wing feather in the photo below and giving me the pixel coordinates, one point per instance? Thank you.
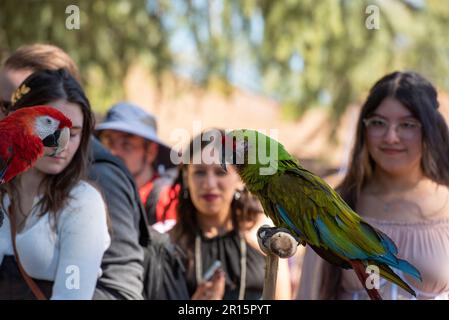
(288, 221)
(301, 202)
(408, 268)
(387, 273)
(326, 254)
(337, 243)
(392, 250)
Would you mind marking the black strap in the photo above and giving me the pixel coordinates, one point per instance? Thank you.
(13, 285)
(29, 281)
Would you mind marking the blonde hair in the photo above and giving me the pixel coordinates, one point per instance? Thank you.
(41, 57)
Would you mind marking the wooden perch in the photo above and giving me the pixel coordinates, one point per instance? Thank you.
(275, 243)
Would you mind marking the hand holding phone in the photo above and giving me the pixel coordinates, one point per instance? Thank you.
(211, 271)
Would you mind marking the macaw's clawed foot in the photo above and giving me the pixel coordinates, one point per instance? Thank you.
(277, 241)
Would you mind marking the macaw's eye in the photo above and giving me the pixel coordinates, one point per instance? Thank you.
(48, 121)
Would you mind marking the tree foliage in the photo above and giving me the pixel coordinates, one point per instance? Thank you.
(305, 53)
(112, 35)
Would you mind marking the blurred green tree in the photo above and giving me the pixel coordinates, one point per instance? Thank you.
(304, 53)
(314, 53)
(112, 35)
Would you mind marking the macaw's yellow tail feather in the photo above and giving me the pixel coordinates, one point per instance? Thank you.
(386, 272)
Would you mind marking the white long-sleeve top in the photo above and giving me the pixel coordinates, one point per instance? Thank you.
(70, 254)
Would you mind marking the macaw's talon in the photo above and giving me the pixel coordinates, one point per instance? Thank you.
(277, 241)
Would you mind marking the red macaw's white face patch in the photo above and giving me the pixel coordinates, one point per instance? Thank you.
(57, 163)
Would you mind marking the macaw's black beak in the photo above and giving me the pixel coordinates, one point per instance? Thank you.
(51, 141)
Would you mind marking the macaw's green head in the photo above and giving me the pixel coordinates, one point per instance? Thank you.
(252, 152)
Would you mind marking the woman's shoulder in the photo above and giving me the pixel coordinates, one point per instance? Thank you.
(84, 187)
(85, 199)
(434, 203)
(84, 192)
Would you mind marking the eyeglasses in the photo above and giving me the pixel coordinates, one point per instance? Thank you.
(124, 143)
(378, 127)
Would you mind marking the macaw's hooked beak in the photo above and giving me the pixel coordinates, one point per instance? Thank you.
(51, 141)
(58, 140)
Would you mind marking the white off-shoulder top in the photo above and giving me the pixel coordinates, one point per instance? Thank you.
(69, 254)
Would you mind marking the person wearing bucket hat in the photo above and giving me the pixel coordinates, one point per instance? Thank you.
(129, 123)
(130, 133)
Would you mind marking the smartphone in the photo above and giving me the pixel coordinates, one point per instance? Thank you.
(210, 272)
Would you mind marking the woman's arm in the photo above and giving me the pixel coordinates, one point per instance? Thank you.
(83, 239)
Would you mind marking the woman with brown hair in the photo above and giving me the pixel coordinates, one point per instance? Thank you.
(217, 221)
(59, 219)
(397, 181)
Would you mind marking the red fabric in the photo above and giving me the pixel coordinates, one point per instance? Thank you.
(164, 199)
(145, 190)
(166, 194)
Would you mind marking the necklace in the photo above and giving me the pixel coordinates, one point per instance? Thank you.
(243, 254)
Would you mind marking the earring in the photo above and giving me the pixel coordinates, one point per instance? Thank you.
(237, 195)
(185, 193)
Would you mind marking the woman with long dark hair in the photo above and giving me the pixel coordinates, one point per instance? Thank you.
(60, 219)
(398, 181)
(218, 220)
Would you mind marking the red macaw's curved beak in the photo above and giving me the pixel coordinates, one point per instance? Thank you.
(58, 141)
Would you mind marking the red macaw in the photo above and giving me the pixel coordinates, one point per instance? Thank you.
(23, 135)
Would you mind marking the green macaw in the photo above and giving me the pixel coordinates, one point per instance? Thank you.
(296, 199)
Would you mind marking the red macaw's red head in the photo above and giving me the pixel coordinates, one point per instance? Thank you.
(47, 123)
